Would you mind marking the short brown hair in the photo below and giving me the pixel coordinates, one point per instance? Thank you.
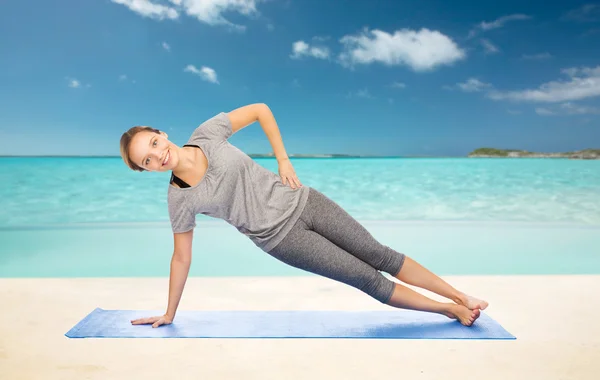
(126, 141)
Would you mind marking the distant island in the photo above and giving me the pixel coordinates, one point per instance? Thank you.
(586, 154)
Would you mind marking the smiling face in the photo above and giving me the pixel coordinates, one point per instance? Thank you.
(151, 150)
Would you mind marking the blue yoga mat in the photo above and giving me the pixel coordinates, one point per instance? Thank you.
(393, 324)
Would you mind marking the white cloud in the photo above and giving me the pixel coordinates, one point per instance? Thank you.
(473, 85)
(585, 13)
(303, 49)
(585, 71)
(543, 111)
(207, 11)
(206, 73)
(74, 83)
(364, 93)
(421, 50)
(166, 46)
(210, 11)
(149, 9)
(582, 83)
(498, 23)
(568, 109)
(490, 48)
(124, 78)
(398, 85)
(537, 56)
(575, 109)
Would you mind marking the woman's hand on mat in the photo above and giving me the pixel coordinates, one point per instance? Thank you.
(156, 321)
(287, 173)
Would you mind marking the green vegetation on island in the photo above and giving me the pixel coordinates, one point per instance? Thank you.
(589, 154)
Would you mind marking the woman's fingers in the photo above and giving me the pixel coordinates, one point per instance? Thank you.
(292, 182)
(296, 182)
(155, 321)
(144, 321)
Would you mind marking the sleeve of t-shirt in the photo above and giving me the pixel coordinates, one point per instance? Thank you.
(217, 128)
(182, 219)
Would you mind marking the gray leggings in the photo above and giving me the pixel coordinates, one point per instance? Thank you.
(329, 242)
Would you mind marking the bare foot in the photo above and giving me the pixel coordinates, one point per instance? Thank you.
(462, 313)
(472, 302)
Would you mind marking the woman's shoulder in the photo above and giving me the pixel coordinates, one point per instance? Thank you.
(216, 128)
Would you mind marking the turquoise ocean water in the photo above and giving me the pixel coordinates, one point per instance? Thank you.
(75, 217)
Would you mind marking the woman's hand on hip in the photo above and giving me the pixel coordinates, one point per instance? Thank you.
(155, 321)
(287, 174)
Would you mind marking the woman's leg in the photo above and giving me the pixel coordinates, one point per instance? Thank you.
(333, 222)
(407, 298)
(415, 274)
(307, 250)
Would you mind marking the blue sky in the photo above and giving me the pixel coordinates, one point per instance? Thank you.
(355, 77)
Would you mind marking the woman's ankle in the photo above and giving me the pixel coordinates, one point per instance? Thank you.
(459, 298)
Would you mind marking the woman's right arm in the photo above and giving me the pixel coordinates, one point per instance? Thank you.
(180, 266)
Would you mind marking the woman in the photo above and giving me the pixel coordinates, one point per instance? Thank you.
(294, 223)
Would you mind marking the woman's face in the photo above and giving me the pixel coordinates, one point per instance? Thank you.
(150, 150)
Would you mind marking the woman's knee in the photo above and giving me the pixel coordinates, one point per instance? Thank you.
(377, 286)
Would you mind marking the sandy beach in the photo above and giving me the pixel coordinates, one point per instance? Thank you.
(553, 318)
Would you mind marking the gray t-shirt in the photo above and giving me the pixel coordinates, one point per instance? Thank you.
(236, 189)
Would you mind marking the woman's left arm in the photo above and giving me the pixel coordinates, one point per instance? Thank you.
(246, 115)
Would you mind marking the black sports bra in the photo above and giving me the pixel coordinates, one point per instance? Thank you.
(177, 180)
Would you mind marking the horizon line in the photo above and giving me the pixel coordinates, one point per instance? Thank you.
(251, 155)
